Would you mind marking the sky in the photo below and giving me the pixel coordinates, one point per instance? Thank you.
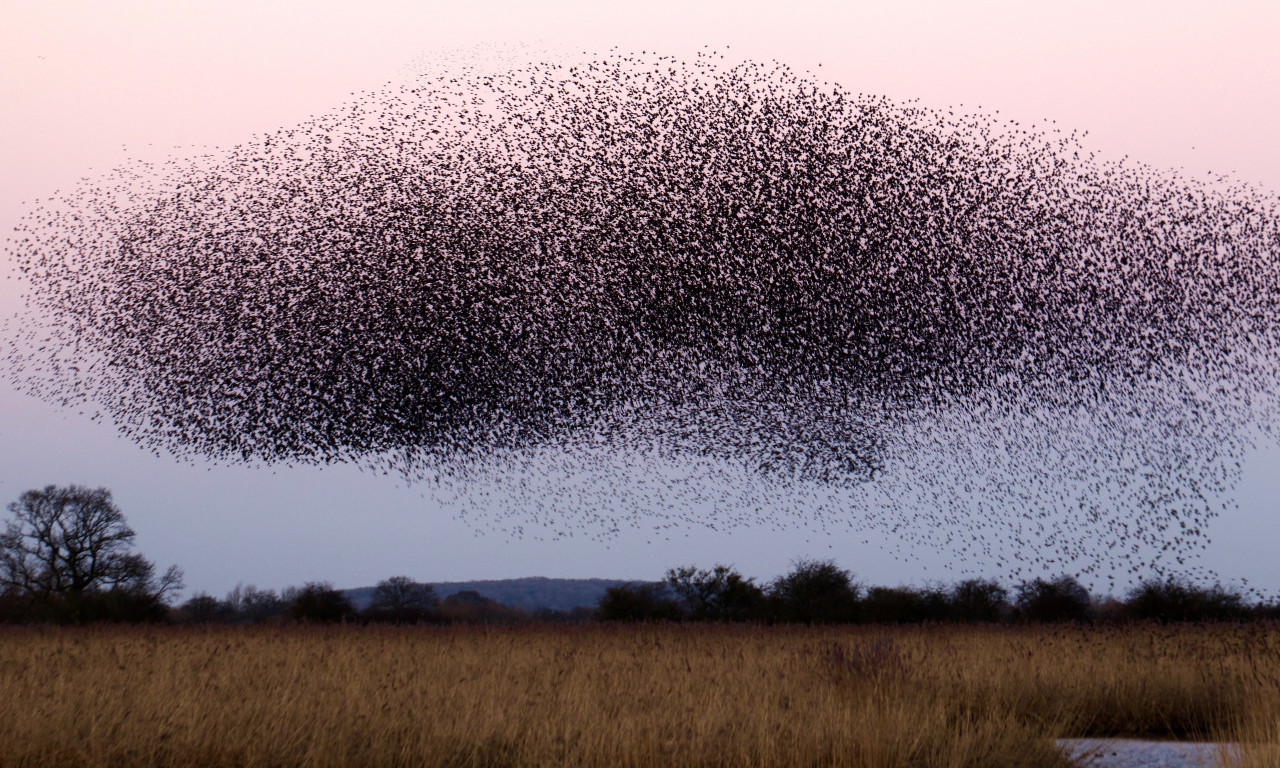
(87, 86)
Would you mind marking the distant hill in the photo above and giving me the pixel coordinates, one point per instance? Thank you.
(529, 593)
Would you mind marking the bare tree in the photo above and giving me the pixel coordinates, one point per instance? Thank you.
(66, 544)
(401, 599)
(256, 605)
(720, 594)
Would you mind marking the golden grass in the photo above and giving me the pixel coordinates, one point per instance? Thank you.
(980, 697)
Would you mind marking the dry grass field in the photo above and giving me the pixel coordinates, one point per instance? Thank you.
(680, 695)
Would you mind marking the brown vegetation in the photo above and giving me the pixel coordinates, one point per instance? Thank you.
(623, 695)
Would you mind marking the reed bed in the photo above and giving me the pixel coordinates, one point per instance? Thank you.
(600, 695)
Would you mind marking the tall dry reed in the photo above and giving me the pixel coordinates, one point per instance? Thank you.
(591, 695)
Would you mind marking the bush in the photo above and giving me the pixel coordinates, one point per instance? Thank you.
(472, 607)
(978, 600)
(638, 602)
(122, 605)
(815, 592)
(319, 602)
(721, 594)
(902, 605)
(14, 607)
(206, 609)
(257, 606)
(1175, 599)
(577, 615)
(1062, 599)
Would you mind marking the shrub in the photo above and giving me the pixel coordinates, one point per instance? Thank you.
(815, 592)
(206, 609)
(1061, 599)
(721, 594)
(902, 605)
(1174, 599)
(637, 602)
(472, 607)
(978, 600)
(257, 606)
(319, 602)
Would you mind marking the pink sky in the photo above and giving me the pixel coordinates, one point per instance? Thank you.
(1173, 84)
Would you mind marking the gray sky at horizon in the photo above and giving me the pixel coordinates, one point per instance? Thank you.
(89, 86)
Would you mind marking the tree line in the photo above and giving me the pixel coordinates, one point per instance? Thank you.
(820, 592)
(397, 600)
(66, 556)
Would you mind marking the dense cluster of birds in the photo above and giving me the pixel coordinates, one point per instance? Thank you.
(627, 288)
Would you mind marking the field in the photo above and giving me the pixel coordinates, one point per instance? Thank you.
(593, 695)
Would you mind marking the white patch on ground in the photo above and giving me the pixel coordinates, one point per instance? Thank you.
(1139, 753)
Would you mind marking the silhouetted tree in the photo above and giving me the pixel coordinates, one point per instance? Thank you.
(638, 602)
(1174, 599)
(1061, 599)
(256, 606)
(67, 554)
(720, 594)
(402, 600)
(978, 600)
(318, 601)
(815, 592)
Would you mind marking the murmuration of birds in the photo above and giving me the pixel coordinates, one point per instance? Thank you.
(629, 291)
